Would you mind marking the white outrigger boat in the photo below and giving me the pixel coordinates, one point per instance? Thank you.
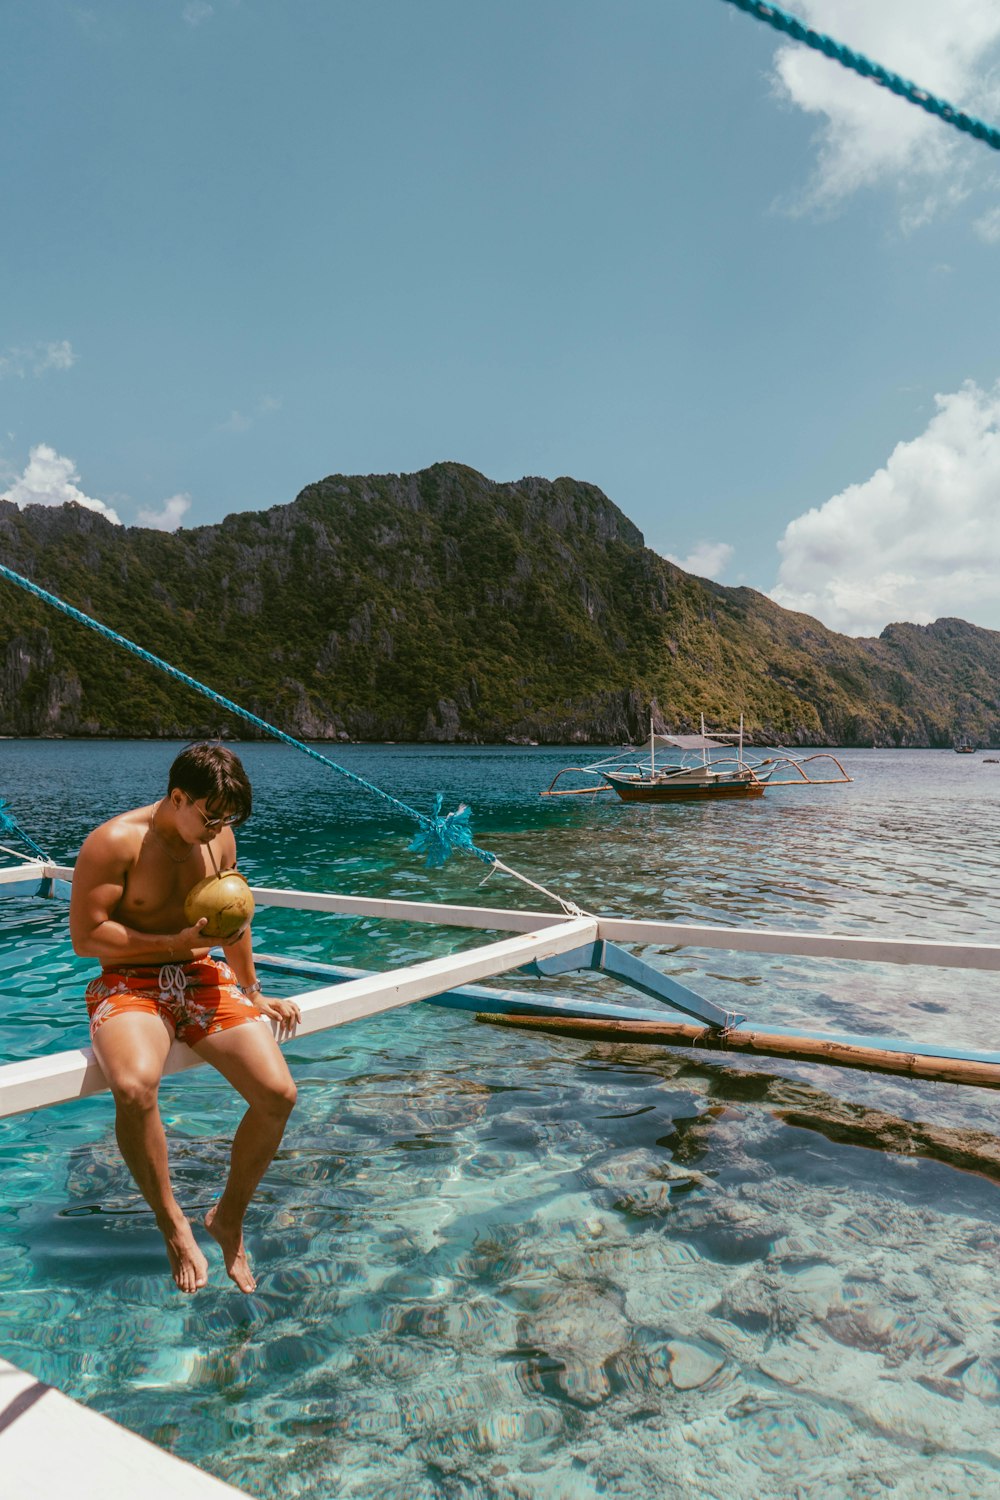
(693, 767)
(544, 944)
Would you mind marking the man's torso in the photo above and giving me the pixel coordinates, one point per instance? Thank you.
(155, 881)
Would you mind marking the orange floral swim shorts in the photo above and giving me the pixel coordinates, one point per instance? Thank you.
(196, 998)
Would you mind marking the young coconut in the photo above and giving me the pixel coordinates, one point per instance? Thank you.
(226, 900)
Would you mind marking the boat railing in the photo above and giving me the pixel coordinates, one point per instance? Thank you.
(541, 938)
(793, 763)
(726, 765)
(56, 1078)
(600, 784)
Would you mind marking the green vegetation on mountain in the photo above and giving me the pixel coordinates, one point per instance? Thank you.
(442, 606)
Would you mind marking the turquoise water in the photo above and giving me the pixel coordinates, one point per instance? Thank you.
(501, 1265)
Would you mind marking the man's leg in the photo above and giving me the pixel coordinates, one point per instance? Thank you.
(250, 1059)
(131, 1049)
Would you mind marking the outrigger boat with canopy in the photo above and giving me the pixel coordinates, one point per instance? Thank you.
(693, 767)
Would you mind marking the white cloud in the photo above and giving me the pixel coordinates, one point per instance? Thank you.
(869, 135)
(988, 226)
(51, 479)
(168, 517)
(918, 540)
(240, 421)
(197, 12)
(36, 359)
(237, 421)
(705, 560)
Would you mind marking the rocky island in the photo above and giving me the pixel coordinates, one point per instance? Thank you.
(441, 606)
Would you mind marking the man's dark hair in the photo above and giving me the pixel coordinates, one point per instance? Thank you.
(211, 771)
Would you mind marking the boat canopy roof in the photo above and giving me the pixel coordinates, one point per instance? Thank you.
(689, 742)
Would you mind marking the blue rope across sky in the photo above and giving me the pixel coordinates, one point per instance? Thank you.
(438, 837)
(781, 20)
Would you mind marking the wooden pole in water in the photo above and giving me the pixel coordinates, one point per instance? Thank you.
(764, 1043)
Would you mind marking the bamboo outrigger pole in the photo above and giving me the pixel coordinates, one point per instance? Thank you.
(981, 1070)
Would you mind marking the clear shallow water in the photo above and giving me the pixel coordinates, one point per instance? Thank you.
(494, 1264)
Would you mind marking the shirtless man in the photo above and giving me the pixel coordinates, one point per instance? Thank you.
(158, 982)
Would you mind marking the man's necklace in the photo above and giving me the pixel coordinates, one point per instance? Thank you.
(178, 859)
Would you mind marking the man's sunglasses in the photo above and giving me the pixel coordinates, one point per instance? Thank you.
(227, 821)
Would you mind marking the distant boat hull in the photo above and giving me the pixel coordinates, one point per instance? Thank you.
(636, 775)
(686, 786)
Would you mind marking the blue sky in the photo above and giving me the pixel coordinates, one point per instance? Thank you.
(249, 243)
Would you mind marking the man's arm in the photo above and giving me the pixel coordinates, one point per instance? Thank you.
(98, 886)
(239, 957)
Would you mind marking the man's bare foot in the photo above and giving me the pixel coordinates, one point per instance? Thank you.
(233, 1250)
(189, 1266)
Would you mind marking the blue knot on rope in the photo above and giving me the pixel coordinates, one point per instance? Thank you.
(10, 827)
(440, 837)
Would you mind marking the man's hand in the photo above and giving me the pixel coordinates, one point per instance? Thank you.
(189, 939)
(284, 1013)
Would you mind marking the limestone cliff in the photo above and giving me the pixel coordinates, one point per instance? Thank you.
(442, 606)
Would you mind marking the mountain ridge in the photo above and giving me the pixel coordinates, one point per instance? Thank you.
(444, 606)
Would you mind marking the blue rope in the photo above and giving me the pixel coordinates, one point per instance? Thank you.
(438, 837)
(9, 826)
(793, 27)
